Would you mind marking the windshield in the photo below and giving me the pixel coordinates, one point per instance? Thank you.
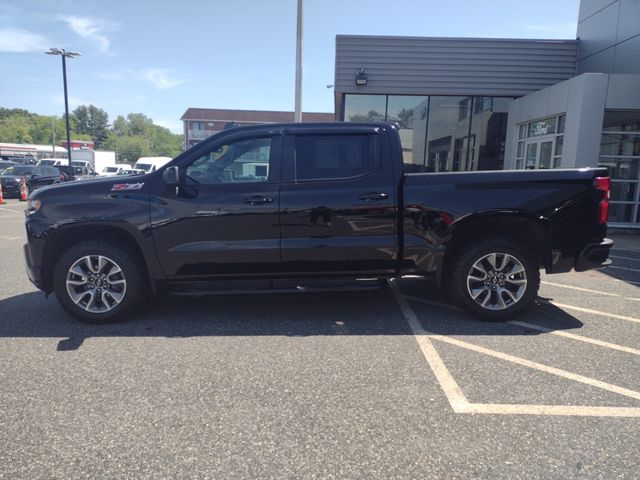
(17, 170)
(144, 166)
(47, 162)
(110, 169)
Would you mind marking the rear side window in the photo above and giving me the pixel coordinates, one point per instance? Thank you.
(333, 156)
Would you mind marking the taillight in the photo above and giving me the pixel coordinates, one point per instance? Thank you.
(603, 184)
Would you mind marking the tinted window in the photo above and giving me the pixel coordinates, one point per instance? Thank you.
(333, 156)
(243, 161)
(18, 170)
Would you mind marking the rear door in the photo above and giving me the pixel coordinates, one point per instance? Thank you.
(337, 203)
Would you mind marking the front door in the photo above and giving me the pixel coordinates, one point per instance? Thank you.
(224, 219)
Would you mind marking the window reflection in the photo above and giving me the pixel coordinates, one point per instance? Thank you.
(441, 133)
(410, 113)
(365, 108)
(447, 134)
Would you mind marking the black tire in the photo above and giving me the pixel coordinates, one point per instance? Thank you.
(131, 271)
(460, 270)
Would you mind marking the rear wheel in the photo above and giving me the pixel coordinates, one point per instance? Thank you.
(494, 278)
(98, 281)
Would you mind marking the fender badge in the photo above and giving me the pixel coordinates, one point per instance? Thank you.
(126, 186)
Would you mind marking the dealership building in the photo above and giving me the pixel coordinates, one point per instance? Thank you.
(483, 104)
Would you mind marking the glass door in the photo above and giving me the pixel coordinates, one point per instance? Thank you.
(531, 158)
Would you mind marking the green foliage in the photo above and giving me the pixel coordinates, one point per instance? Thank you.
(92, 121)
(132, 137)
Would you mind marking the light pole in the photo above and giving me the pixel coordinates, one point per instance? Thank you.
(62, 52)
(297, 116)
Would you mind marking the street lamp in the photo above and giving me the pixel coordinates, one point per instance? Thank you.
(62, 52)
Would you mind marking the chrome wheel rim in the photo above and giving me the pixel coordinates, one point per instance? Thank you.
(96, 284)
(497, 281)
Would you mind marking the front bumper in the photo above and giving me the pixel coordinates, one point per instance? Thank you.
(34, 272)
(594, 255)
(11, 189)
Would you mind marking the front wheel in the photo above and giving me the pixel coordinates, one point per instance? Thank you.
(98, 281)
(494, 278)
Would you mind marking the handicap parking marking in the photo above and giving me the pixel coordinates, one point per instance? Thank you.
(460, 404)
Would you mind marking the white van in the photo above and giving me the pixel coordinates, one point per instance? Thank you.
(151, 164)
(111, 170)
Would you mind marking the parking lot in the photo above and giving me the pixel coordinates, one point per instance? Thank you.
(382, 384)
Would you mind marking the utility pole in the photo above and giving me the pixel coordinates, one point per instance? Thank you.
(298, 112)
(53, 137)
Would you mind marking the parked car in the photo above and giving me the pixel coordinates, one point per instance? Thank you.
(111, 170)
(332, 201)
(52, 162)
(6, 164)
(131, 171)
(36, 176)
(151, 164)
(83, 173)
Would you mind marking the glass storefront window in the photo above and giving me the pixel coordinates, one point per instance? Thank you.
(445, 135)
(546, 126)
(548, 135)
(559, 143)
(620, 154)
(620, 144)
(411, 114)
(365, 108)
(440, 133)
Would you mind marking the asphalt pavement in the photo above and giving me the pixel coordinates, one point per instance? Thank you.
(393, 383)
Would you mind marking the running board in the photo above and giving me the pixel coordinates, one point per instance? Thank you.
(234, 287)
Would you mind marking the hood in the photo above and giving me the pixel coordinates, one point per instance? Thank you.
(99, 185)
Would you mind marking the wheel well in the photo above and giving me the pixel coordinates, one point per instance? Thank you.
(70, 236)
(525, 231)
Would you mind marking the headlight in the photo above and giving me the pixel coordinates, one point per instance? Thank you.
(33, 206)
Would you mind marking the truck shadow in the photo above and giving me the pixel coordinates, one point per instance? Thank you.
(295, 315)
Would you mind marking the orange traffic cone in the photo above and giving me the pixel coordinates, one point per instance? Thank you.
(1, 198)
(24, 192)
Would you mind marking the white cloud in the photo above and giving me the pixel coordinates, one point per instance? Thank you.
(74, 102)
(19, 40)
(90, 28)
(161, 78)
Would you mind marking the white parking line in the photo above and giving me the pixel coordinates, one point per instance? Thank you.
(625, 258)
(624, 268)
(580, 338)
(594, 312)
(459, 402)
(580, 289)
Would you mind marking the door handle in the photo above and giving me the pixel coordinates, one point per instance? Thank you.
(258, 200)
(373, 196)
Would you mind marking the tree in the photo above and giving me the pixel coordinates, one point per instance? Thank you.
(15, 129)
(91, 121)
(406, 118)
(81, 117)
(371, 116)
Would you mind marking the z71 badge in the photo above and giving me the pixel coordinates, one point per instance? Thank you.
(118, 187)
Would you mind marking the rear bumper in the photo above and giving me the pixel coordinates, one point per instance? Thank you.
(594, 255)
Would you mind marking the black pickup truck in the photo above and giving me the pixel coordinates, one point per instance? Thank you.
(295, 202)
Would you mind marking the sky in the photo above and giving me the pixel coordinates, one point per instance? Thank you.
(161, 57)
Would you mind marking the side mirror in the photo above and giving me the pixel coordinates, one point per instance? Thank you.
(171, 177)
